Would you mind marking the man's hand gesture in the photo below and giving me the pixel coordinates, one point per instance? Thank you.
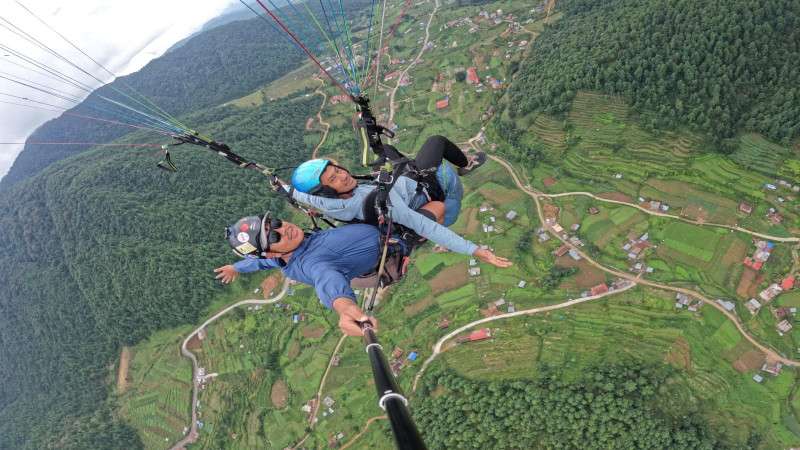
(226, 274)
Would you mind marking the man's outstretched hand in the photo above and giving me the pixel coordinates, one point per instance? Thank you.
(226, 274)
(487, 256)
(351, 317)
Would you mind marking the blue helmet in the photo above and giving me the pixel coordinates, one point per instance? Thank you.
(305, 177)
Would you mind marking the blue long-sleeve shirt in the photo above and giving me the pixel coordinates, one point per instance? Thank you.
(327, 260)
(403, 202)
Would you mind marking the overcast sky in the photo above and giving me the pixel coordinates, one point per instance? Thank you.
(122, 35)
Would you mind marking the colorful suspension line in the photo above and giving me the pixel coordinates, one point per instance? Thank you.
(154, 106)
(302, 46)
(94, 144)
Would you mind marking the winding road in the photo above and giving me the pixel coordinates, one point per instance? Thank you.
(671, 216)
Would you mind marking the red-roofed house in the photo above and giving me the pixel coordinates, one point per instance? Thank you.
(480, 335)
(787, 283)
(443, 103)
(599, 289)
(472, 76)
(391, 76)
(561, 251)
(753, 264)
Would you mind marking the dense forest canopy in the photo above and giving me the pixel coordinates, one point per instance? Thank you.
(607, 407)
(102, 249)
(719, 67)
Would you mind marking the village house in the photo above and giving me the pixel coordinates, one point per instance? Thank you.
(557, 228)
(574, 254)
(758, 378)
(561, 251)
(500, 302)
(781, 313)
(770, 293)
(787, 283)
(511, 308)
(753, 306)
(599, 289)
(575, 227)
(784, 326)
(728, 305)
(443, 103)
(681, 300)
(328, 402)
(521, 284)
(474, 271)
(774, 217)
(444, 323)
(391, 75)
(593, 210)
(472, 76)
(745, 207)
(511, 215)
(772, 368)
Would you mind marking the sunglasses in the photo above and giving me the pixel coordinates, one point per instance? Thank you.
(273, 237)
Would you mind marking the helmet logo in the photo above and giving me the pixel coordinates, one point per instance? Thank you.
(243, 237)
(244, 227)
(246, 248)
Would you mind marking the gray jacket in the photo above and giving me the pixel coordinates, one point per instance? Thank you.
(403, 201)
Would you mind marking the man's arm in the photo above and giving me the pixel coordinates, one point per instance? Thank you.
(334, 291)
(230, 272)
(426, 227)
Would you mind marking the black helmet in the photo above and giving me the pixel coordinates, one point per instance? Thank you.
(251, 236)
(245, 236)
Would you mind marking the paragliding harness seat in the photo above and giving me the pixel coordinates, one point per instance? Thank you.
(397, 241)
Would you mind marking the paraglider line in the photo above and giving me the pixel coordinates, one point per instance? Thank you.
(302, 46)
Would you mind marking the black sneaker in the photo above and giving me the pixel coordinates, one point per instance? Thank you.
(475, 161)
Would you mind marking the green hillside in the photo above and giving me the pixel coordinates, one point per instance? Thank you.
(103, 249)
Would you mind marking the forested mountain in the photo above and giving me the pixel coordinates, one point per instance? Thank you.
(219, 65)
(719, 67)
(102, 249)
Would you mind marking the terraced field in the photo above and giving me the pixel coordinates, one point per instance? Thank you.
(157, 405)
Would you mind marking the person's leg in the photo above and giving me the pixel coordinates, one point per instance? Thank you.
(437, 148)
(392, 152)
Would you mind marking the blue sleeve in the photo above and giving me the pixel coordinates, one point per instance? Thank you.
(425, 227)
(248, 265)
(331, 284)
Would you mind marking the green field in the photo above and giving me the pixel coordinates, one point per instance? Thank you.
(692, 240)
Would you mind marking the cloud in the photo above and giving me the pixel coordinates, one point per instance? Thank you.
(123, 36)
